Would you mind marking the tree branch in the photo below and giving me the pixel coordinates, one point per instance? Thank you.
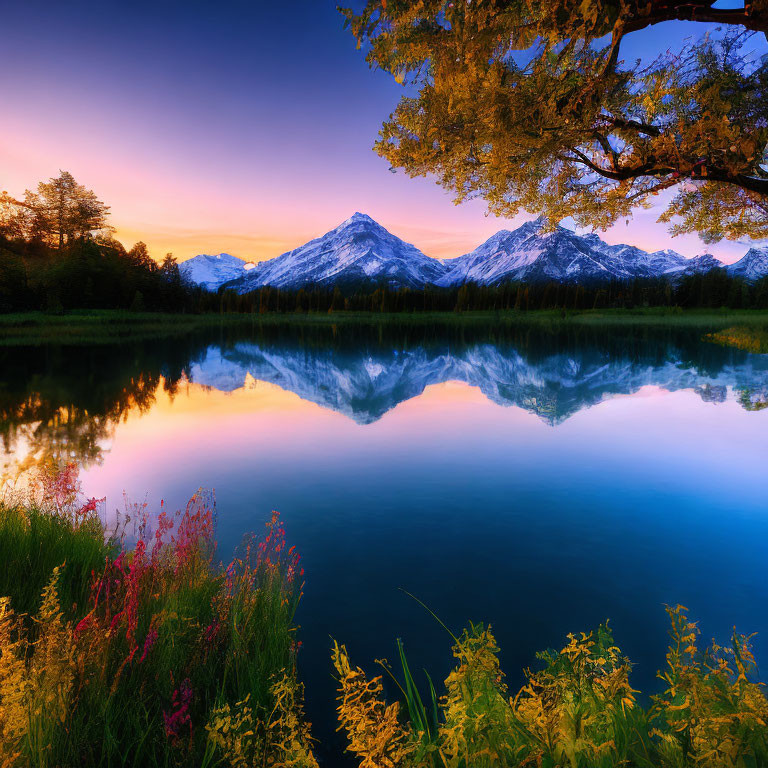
(657, 11)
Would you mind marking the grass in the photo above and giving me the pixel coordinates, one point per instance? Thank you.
(109, 326)
(147, 654)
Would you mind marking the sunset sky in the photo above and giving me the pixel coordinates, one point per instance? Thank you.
(233, 126)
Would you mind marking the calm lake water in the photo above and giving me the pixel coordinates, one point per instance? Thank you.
(542, 481)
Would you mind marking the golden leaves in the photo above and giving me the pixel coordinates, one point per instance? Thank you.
(35, 679)
(373, 729)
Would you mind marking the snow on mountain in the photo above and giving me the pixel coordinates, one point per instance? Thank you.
(532, 254)
(357, 250)
(752, 266)
(702, 264)
(361, 250)
(212, 271)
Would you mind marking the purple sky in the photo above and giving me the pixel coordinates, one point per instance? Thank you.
(234, 126)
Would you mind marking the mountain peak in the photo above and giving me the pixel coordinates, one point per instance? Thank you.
(211, 270)
(358, 217)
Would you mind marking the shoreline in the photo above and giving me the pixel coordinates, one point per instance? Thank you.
(109, 326)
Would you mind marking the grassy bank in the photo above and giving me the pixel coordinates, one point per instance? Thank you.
(109, 326)
(146, 654)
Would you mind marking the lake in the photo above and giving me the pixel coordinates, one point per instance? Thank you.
(542, 479)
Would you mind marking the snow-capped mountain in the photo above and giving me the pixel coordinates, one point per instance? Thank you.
(212, 271)
(361, 250)
(357, 250)
(532, 254)
(752, 266)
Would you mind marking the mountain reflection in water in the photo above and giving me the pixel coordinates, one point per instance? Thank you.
(66, 401)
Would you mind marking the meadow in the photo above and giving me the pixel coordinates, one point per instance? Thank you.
(129, 644)
(132, 646)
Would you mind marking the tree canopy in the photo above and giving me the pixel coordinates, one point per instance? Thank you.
(60, 212)
(529, 105)
(57, 253)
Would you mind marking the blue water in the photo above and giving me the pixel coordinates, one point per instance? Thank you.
(540, 482)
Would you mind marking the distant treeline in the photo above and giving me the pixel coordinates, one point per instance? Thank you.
(710, 290)
(57, 253)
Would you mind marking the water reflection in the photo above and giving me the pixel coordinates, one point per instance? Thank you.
(60, 402)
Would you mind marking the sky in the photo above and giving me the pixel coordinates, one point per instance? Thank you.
(241, 126)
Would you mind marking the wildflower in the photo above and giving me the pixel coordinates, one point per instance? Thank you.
(179, 720)
(149, 641)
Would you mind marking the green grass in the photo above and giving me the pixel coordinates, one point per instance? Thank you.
(109, 326)
(149, 654)
(33, 543)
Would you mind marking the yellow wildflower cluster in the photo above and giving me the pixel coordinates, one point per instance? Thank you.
(711, 708)
(579, 711)
(36, 678)
(373, 728)
(243, 740)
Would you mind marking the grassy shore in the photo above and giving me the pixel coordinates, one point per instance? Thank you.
(107, 326)
(143, 651)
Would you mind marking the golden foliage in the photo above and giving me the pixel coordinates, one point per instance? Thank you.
(753, 340)
(282, 739)
(232, 730)
(579, 711)
(527, 105)
(716, 717)
(373, 728)
(288, 733)
(35, 679)
(479, 727)
(570, 708)
(14, 684)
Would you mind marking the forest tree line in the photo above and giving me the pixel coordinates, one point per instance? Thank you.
(57, 253)
(710, 290)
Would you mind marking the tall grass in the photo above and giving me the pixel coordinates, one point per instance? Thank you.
(146, 654)
(578, 711)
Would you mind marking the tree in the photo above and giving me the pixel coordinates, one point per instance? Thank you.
(139, 256)
(525, 104)
(62, 211)
(15, 218)
(170, 270)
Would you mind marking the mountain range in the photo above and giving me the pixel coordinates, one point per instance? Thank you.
(361, 250)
